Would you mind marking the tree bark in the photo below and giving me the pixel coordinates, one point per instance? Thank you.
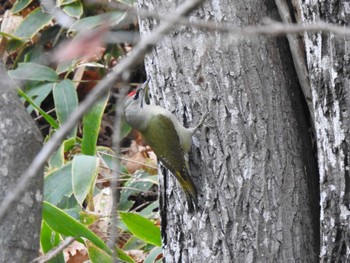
(329, 68)
(20, 142)
(253, 163)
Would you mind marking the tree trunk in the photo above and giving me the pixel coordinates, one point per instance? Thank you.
(253, 162)
(329, 68)
(20, 142)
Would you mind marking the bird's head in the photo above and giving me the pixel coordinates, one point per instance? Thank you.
(139, 95)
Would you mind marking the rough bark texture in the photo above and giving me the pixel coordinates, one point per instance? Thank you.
(253, 163)
(19, 143)
(328, 59)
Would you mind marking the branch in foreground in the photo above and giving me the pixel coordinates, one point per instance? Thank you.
(54, 252)
(298, 56)
(116, 167)
(135, 57)
(269, 28)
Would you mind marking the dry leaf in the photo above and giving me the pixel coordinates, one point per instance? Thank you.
(75, 253)
(103, 207)
(8, 25)
(137, 255)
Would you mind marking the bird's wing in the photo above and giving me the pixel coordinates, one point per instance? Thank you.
(162, 137)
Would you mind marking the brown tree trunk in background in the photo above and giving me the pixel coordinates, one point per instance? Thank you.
(253, 163)
(20, 140)
(328, 61)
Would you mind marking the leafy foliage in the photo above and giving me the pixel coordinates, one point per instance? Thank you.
(91, 124)
(56, 66)
(142, 228)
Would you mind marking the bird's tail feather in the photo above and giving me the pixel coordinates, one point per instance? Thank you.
(191, 202)
(189, 188)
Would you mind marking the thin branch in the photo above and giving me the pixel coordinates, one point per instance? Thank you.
(270, 28)
(145, 204)
(47, 112)
(298, 58)
(135, 57)
(109, 179)
(60, 16)
(116, 167)
(54, 252)
(129, 160)
(134, 189)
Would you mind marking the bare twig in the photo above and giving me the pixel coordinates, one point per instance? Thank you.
(272, 28)
(60, 16)
(54, 252)
(116, 165)
(47, 112)
(129, 160)
(135, 57)
(108, 179)
(298, 58)
(134, 189)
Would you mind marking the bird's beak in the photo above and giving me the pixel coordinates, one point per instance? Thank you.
(143, 88)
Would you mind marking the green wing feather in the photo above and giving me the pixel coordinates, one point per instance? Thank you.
(169, 151)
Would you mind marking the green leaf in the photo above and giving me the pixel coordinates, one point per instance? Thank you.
(84, 174)
(136, 184)
(65, 2)
(46, 116)
(66, 102)
(14, 45)
(126, 129)
(62, 223)
(130, 2)
(148, 211)
(134, 243)
(38, 94)
(123, 256)
(57, 158)
(87, 218)
(108, 157)
(48, 240)
(32, 54)
(10, 36)
(142, 228)
(94, 21)
(33, 71)
(19, 5)
(97, 255)
(74, 9)
(91, 127)
(32, 24)
(66, 66)
(70, 143)
(152, 256)
(70, 205)
(58, 184)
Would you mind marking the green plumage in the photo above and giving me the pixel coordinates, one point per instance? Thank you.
(169, 140)
(168, 149)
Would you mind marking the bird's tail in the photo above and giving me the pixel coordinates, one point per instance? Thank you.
(189, 188)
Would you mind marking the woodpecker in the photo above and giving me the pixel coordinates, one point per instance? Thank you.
(167, 137)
